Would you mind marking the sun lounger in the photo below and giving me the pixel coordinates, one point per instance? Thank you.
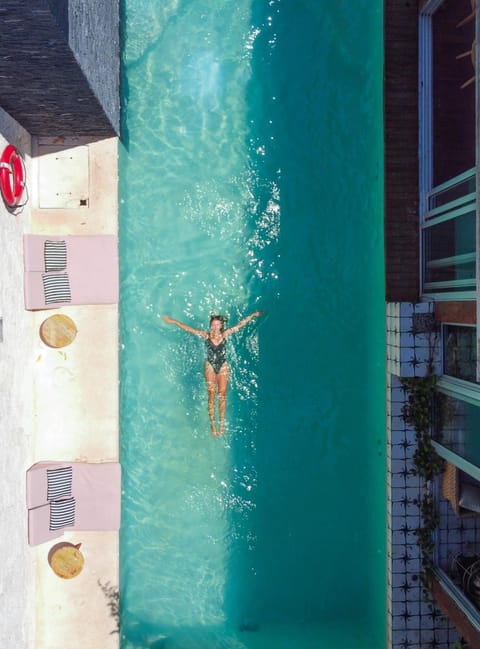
(70, 270)
(72, 496)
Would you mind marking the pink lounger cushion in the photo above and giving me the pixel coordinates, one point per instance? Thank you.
(91, 266)
(39, 526)
(96, 488)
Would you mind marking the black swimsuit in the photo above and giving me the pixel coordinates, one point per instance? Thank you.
(216, 354)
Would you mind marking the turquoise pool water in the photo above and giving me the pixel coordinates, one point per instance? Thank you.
(251, 177)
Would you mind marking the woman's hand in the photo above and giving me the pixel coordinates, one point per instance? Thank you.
(256, 314)
(168, 319)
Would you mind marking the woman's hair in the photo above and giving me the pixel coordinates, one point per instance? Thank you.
(223, 319)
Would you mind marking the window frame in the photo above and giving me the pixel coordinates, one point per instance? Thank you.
(425, 171)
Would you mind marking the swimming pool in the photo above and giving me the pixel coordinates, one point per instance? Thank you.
(251, 177)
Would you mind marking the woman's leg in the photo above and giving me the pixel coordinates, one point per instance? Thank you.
(211, 379)
(222, 383)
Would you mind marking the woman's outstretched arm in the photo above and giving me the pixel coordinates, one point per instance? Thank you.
(242, 323)
(185, 327)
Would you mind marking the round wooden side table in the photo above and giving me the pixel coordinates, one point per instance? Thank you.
(58, 331)
(66, 560)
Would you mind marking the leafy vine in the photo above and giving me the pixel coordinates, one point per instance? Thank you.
(417, 413)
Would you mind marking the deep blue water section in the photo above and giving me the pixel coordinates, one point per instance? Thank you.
(251, 178)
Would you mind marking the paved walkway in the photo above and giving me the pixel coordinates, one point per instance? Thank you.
(55, 405)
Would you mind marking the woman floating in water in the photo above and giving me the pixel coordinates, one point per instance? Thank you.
(217, 370)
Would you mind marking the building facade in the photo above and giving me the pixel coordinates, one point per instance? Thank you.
(431, 243)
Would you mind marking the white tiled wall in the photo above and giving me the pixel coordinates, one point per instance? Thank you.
(412, 623)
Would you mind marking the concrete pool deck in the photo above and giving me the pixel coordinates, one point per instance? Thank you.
(56, 404)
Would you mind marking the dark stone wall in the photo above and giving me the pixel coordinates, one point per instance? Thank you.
(401, 151)
(59, 69)
(59, 9)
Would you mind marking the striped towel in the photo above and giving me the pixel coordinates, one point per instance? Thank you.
(59, 482)
(56, 287)
(55, 253)
(62, 513)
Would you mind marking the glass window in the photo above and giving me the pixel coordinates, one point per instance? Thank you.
(456, 425)
(448, 136)
(466, 185)
(453, 100)
(460, 352)
(449, 253)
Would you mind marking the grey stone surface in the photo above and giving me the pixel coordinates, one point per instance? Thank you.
(94, 27)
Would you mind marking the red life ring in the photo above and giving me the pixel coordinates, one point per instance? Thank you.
(12, 181)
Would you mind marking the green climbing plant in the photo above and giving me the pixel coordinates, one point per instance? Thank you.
(417, 413)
